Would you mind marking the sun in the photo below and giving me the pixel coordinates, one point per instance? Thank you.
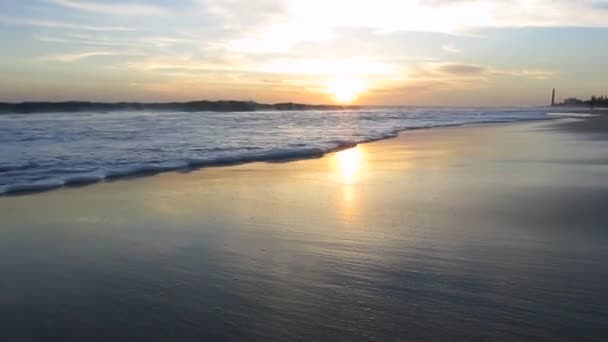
(345, 90)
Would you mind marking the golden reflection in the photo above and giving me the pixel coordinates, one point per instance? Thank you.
(348, 165)
(349, 162)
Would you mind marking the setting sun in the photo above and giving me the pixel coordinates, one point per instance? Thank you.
(345, 90)
(303, 169)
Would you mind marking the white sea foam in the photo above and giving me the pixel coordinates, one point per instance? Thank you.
(45, 151)
(573, 115)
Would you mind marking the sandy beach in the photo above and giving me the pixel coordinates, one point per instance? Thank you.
(486, 232)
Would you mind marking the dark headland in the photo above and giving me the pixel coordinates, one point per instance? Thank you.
(192, 106)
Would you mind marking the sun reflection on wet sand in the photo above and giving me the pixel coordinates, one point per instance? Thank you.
(348, 166)
(349, 162)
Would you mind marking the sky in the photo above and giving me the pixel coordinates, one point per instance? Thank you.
(367, 52)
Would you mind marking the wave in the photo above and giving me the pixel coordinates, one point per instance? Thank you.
(13, 168)
(293, 151)
(279, 155)
(574, 115)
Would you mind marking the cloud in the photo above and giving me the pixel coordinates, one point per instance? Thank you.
(310, 67)
(279, 38)
(61, 25)
(242, 15)
(450, 48)
(74, 57)
(185, 63)
(534, 73)
(460, 69)
(327, 67)
(305, 42)
(96, 39)
(272, 27)
(57, 39)
(447, 16)
(455, 81)
(464, 71)
(123, 8)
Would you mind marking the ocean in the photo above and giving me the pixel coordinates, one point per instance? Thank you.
(46, 151)
(475, 233)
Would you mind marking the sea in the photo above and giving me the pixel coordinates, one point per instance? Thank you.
(51, 150)
(500, 236)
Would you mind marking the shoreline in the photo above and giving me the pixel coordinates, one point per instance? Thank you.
(497, 231)
(42, 107)
(192, 166)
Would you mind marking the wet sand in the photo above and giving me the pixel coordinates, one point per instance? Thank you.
(489, 232)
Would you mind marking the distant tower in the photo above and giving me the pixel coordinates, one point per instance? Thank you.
(553, 98)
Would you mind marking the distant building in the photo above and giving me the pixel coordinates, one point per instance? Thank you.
(573, 101)
(594, 101)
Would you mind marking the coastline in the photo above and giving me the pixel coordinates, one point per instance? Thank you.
(30, 107)
(194, 165)
(486, 232)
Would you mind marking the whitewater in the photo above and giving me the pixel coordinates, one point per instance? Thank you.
(46, 151)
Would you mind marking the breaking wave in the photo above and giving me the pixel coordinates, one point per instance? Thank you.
(48, 151)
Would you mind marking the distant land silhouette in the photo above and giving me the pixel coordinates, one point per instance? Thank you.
(594, 101)
(193, 106)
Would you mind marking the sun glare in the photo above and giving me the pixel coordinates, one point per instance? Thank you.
(349, 161)
(345, 90)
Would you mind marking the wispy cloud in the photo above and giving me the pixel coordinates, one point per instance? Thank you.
(464, 71)
(296, 23)
(450, 48)
(457, 16)
(74, 57)
(326, 67)
(295, 66)
(125, 8)
(97, 39)
(60, 24)
(461, 69)
(189, 63)
(234, 43)
(81, 42)
(442, 16)
(537, 74)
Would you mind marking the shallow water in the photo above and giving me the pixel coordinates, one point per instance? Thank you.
(44, 151)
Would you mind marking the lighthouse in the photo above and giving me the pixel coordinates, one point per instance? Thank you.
(553, 98)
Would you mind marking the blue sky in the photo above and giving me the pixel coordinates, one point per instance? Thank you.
(419, 52)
